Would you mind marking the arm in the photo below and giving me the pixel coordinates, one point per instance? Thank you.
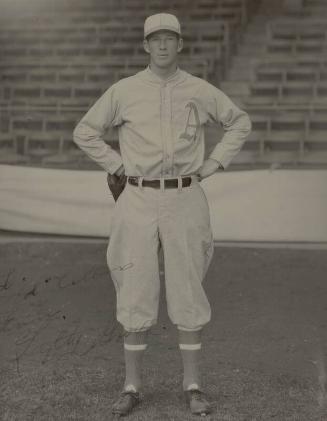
(209, 167)
(236, 124)
(88, 134)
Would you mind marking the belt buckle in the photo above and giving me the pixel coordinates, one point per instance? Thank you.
(133, 179)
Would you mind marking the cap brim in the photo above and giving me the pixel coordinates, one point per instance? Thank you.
(162, 28)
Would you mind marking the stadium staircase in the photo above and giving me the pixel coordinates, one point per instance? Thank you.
(279, 76)
(59, 57)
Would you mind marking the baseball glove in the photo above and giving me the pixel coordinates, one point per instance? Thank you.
(116, 184)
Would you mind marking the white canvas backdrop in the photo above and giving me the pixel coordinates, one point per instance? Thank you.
(256, 205)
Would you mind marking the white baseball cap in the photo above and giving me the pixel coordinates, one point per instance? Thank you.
(161, 21)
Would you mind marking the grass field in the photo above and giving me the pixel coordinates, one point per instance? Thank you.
(264, 352)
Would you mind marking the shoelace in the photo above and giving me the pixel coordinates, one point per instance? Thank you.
(131, 393)
(197, 395)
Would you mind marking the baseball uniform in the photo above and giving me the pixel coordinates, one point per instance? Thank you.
(161, 136)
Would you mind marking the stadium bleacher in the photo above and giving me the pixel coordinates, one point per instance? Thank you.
(55, 63)
(285, 89)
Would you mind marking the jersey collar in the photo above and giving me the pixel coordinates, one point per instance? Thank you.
(150, 76)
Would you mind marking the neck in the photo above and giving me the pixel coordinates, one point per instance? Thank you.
(165, 72)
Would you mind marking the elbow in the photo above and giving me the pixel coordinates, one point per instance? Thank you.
(243, 125)
(248, 125)
(77, 134)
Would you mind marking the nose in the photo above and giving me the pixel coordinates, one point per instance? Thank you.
(162, 45)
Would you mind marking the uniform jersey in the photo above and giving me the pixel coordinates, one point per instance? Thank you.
(161, 135)
(161, 125)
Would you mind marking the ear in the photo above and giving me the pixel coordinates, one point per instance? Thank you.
(146, 46)
(180, 45)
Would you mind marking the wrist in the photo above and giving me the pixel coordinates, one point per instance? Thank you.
(218, 164)
(120, 171)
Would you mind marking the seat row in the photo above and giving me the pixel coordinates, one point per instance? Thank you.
(308, 29)
(50, 91)
(287, 137)
(275, 92)
(315, 3)
(234, 15)
(101, 77)
(107, 71)
(72, 85)
(63, 30)
(282, 136)
(124, 10)
(259, 101)
(286, 124)
(46, 150)
(124, 49)
(71, 70)
(296, 47)
(296, 37)
(104, 34)
(277, 74)
(299, 90)
(37, 137)
(312, 10)
(312, 67)
(83, 21)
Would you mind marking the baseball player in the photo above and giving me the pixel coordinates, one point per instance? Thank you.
(160, 113)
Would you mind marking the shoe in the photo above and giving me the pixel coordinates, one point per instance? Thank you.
(197, 402)
(126, 402)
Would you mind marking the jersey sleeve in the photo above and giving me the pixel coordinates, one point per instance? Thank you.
(235, 122)
(88, 133)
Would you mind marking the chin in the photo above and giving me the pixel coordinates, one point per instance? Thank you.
(164, 64)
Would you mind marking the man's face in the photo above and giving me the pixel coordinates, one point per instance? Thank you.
(163, 47)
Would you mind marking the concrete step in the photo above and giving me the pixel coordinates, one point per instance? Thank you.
(254, 38)
(271, 8)
(240, 62)
(260, 19)
(251, 50)
(237, 89)
(258, 23)
(239, 74)
(252, 46)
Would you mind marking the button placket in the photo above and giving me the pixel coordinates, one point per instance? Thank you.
(164, 127)
(167, 125)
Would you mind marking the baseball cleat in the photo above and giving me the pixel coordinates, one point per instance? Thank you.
(125, 403)
(197, 402)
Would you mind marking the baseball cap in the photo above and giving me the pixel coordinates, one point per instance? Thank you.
(161, 21)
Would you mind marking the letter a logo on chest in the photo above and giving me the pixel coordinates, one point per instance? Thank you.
(192, 123)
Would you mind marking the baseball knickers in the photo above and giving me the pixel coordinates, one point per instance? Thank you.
(179, 220)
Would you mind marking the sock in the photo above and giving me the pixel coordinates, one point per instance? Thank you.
(134, 347)
(190, 347)
(191, 356)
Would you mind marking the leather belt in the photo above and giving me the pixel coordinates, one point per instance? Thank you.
(170, 183)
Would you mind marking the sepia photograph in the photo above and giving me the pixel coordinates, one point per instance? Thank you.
(163, 210)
